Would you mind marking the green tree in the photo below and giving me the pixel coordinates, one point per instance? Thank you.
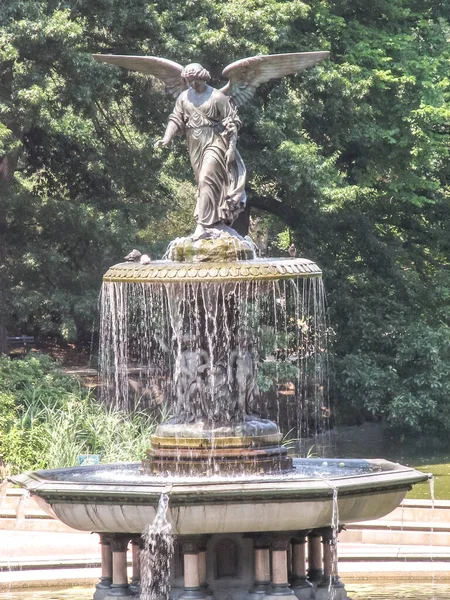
(76, 174)
(353, 155)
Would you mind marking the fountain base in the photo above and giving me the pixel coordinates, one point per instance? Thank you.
(250, 447)
(221, 461)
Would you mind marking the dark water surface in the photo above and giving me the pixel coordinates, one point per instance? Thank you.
(131, 473)
(372, 440)
(364, 591)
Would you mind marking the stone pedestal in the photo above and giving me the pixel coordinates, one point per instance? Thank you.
(331, 587)
(119, 586)
(193, 571)
(103, 586)
(302, 588)
(202, 567)
(136, 564)
(280, 589)
(248, 445)
(315, 571)
(261, 557)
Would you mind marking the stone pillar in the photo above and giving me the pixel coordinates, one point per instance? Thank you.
(102, 587)
(192, 569)
(330, 586)
(315, 571)
(119, 545)
(280, 589)
(202, 566)
(303, 589)
(136, 546)
(261, 555)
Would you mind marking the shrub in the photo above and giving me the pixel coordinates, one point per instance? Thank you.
(409, 388)
(47, 419)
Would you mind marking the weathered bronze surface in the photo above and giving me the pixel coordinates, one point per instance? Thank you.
(201, 430)
(209, 120)
(225, 246)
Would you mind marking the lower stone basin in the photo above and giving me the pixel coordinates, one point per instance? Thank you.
(120, 498)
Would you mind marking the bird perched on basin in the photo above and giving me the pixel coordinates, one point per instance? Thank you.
(292, 250)
(133, 256)
(136, 256)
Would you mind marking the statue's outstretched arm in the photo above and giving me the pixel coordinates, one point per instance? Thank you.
(171, 131)
(247, 74)
(175, 126)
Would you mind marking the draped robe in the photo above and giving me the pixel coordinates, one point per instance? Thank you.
(220, 190)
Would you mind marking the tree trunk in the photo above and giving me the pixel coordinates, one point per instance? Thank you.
(242, 223)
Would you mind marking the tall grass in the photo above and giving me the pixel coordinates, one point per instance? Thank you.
(47, 419)
(87, 427)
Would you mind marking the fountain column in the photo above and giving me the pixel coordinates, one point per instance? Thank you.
(303, 589)
(315, 571)
(261, 553)
(119, 545)
(331, 585)
(136, 564)
(280, 588)
(192, 568)
(103, 586)
(202, 566)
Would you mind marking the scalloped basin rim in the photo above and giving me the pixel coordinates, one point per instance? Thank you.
(258, 269)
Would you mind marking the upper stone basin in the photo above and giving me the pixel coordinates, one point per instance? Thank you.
(258, 269)
(119, 498)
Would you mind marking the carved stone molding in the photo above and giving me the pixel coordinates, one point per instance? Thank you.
(242, 270)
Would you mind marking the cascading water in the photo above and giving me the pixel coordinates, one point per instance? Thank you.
(218, 351)
(3, 490)
(156, 555)
(20, 510)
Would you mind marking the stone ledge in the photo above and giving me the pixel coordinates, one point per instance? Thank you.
(243, 270)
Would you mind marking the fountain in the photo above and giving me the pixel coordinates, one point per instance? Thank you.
(198, 329)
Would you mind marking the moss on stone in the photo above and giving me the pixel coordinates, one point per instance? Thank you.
(225, 248)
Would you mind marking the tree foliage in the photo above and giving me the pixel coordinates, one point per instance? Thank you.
(353, 155)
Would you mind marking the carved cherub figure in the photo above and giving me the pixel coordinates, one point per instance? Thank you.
(208, 118)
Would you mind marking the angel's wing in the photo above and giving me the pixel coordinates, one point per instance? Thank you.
(247, 74)
(167, 71)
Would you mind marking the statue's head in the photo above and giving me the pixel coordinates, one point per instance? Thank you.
(195, 71)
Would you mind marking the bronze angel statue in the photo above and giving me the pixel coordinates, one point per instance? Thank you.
(209, 119)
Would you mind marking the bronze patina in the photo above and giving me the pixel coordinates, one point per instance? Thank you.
(208, 117)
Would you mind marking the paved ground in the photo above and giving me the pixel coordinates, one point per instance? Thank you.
(37, 558)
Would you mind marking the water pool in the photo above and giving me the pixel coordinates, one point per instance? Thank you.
(357, 591)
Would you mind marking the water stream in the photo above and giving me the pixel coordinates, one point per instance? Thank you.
(218, 351)
(156, 555)
(20, 510)
(3, 489)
